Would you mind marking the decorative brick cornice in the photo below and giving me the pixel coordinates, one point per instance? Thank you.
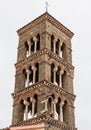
(46, 16)
(44, 119)
(41, 84)
(40, 53)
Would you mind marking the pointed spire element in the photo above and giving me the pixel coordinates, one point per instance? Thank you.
(46, 6)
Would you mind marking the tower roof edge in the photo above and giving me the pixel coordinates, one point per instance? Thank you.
(46, 16)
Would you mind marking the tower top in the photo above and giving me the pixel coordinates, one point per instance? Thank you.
(51, 19)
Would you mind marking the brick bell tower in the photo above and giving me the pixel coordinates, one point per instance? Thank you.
(43, 97)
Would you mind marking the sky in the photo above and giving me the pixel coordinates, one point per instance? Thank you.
(75, 15)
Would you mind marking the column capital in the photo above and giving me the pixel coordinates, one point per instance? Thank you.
(26, 102)
(55, 69)
(34, 68)
(28, 71)
(32, 100)
(55, 101)
(61, 72)
(62, 103)
(35, 39)
(28, 42)
(55, 40)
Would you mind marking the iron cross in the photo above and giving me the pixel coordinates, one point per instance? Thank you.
(46, 6)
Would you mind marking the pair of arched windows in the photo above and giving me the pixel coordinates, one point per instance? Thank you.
(29, 107)
(57, 75)
(32, 46)
(57, 48)
(57, 108)
(31, 74)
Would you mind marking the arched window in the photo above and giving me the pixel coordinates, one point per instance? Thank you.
(64, 79)
(52, 72)
(32, 45)
(23, 109)
(63, 51)
(57, 46)
(52, 43)
(58, 109)
(58, 76)
(37, 72)
(50, 106)
(36, 105)
(65, 111)
(29, 108)
(38, 42)
(27, 48)
(31, 76)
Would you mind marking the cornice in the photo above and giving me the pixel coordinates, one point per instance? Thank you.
(44, 83)
(51, 19)
(44, 119)
(41, 53)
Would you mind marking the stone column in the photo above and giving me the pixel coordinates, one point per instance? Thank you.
(35, 43)
(61, 111)
(60, 78)
(27, 80)
(33, 106)
(54, 109)
(54, 45)
(60, 51)
(54, 80)
(26, 103)
(34, 73)
(29, 44)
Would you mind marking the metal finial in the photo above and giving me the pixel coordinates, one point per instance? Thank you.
(46, 6)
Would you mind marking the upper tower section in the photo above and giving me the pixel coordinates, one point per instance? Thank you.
(44, 32)
(44, 52)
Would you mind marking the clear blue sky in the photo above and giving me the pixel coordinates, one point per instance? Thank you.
(74, 14)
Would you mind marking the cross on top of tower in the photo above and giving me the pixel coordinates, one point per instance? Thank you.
(46, 6)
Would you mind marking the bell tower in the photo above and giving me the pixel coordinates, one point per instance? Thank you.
(43, 97)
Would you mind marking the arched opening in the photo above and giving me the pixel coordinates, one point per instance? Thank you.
(50, 106)
(58, 76)
(25, 107)
(63, 51)
(32, 45)
(37, 72)
(38, 42)
(57, 46)
(22, 110)
(27, 48)
(31, 76)
(52, 72)
(58, 109)
(29, 108)
(65, 111)
(64, 79)
(52, 43)
(36, 105)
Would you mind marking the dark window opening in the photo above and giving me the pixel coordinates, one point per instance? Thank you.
(32, 45)
(52, 72)
(63, 79)
(30, 76)
(38, 42)
(57, 46)
(52, 43)
(58, 76)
